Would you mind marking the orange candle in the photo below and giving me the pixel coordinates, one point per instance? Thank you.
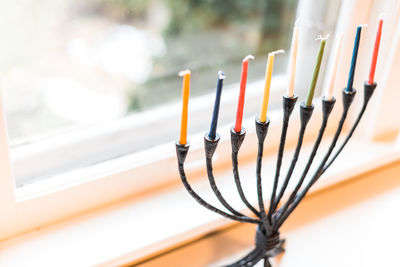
(375, 53)
(243, 81)
(185, 101)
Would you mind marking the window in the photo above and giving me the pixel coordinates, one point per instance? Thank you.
(93, 155)
(96, 74)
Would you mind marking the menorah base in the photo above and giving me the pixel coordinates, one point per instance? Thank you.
(267, 246)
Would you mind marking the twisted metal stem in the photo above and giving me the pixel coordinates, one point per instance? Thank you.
(368, 91)
(268, 243)
(259, 179)
(278, 165)
(209, 147)
(236, 142)
(181, 151)
(216, 191)
(267, 246)
(250, 259)
(239, 185)
(348, 97)
(345, 141)
(327, 108)
(305, 115)
(288, 105)
(266, 262)
(261, 131)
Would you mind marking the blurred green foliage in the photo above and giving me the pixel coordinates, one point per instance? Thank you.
(206, 35)
(122, 10)
(202, 14)
(270, 16)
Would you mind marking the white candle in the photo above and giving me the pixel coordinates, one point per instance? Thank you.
(330, 84)
(292, 62)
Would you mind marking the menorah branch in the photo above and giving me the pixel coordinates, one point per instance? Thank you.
(327, 106)
(368, 91)
(236, 142)
(288, 106)
(209, 147)
(265, 248)
(267, 241)
(305, 116)
(347, 99)
(261, 131)
(181, 152)
(250, 259)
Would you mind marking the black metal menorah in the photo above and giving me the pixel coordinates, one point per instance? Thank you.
(267, 239)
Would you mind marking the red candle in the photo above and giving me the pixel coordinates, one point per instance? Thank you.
(375, 54)
(243, 80)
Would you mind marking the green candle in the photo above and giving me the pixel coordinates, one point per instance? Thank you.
(316, 72)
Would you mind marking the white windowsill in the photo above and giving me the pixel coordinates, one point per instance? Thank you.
(48, 201)
(77, 149)
(135, 229)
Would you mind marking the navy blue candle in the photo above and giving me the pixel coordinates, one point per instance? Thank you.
(213, 128)
(354, 59)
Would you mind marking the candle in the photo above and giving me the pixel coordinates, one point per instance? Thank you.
(185, 101)
(243, 80)
(332, 72)
(316, 71)
(214, 120)
(267, 86)
(354, 58)
(375, 53)
(292, 62)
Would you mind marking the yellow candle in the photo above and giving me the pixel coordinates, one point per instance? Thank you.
(292, 62)
(329, 86)
(185, 101)
(267, 86)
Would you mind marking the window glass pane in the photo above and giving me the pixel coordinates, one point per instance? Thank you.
(68, 64)
(73, 63)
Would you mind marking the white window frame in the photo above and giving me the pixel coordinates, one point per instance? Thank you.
(71, 193)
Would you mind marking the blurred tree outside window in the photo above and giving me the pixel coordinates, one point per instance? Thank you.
(67, 64)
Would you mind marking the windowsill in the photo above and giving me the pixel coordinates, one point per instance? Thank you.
(57, 157)
(135, 229)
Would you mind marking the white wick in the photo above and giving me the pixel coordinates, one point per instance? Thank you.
(362, 25)
(320, 37)
(221, 75)
(248, 57)
(183, 72)
(280, 51)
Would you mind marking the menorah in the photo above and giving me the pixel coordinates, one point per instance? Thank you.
(267, 239)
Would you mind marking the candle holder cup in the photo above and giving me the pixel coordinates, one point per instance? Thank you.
(268, 242)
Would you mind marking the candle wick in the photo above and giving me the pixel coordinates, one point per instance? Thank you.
(248, 57)
(362, 25)
(183, 72)
(280, 51)
(221, 75)
(320, 37)
(381, 16)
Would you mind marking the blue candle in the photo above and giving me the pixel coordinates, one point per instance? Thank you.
(214, 121)
(354, 59)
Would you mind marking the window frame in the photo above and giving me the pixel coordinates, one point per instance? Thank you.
(75, 192)
(53, 153)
